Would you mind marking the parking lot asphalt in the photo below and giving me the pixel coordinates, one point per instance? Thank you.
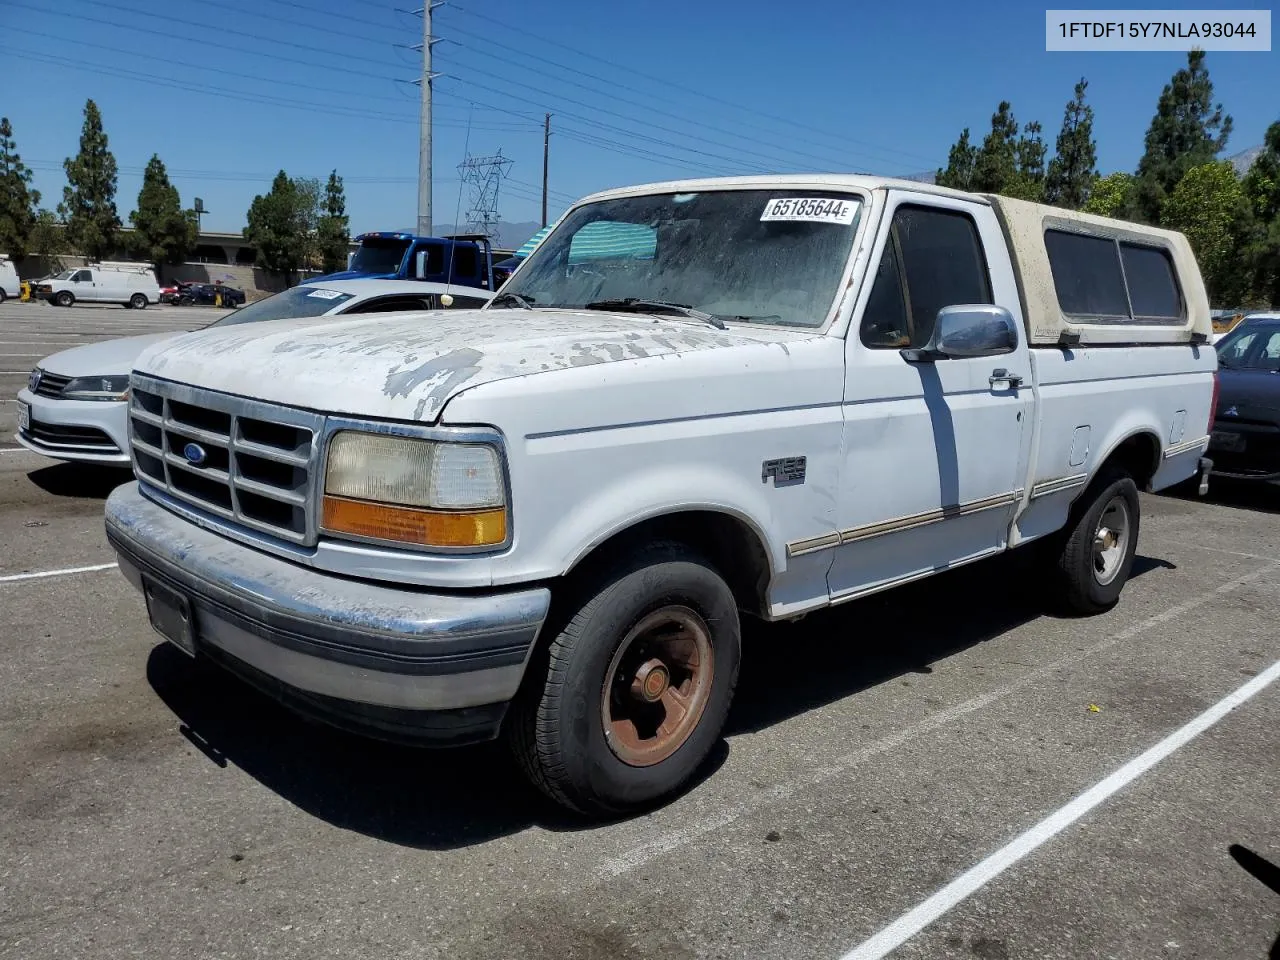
(875, 753)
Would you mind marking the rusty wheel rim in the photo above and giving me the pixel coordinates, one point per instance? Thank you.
(657, 686)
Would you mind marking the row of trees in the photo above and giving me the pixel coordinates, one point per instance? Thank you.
(297, 225)
(1232, 222)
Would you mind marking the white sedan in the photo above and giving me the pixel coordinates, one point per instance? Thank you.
(75, 404)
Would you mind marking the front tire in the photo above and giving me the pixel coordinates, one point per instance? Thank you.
(64, 298)
(138, 301)
(632, 693)
(1102, 539)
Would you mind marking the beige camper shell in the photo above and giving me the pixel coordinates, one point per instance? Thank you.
(1050, 243)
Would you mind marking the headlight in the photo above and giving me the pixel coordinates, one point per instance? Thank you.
(424, 492)
(97, 388)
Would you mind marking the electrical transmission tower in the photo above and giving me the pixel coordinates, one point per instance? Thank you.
(483, 176)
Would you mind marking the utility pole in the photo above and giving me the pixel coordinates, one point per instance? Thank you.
(424, 122)
(546, 145)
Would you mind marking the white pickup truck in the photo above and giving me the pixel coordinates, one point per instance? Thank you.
(692, 401)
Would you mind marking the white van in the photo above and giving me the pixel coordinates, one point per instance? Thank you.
(130, 285)
(9, 284)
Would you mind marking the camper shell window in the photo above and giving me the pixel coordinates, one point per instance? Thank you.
(1107, 280)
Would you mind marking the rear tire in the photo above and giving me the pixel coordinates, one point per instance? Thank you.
(627, 701)
(2, 295)
(138, 301)
(1101, 540)
(64, 298)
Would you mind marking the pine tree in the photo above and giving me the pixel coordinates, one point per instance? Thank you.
(960, 161)
(996, 164)
(89, 199)
(1188, 130)
(1074, 166)
(1029, 154)
(1262, 193)
(277, 227)
(18, 201)
(162, 231)
(333, 230)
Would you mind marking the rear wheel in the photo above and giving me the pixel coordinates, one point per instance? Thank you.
(633, 691)
(138, 301)
(64, 298)
(1102, 539)
(2, 294)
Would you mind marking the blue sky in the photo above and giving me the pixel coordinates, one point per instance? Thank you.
(638, 92)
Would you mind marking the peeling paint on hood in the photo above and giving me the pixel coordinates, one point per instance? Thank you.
(406, 366)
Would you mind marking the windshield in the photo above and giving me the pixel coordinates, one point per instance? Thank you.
(64, 275)
(379, 256)
(764, 256)
(303, 301)
(1255, 346)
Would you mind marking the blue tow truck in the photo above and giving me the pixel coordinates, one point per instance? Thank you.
(464, 259)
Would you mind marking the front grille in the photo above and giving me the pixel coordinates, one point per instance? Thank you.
(258, 458)
(51, 385)
(69, 438)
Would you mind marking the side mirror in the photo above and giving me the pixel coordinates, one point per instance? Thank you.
(968, 330)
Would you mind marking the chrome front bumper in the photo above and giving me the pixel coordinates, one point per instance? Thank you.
(357, 653)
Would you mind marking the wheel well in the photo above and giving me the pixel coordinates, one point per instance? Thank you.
(730, 544)
(1139, 456)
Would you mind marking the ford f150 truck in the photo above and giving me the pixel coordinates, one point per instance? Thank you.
(694, 401)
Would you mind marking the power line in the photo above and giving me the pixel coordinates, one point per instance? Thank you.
(208, 89)
(757, 114)
(329, 13)
(606, 126)
(275, 57)
(150, 14)
(698, 122)
(344, 33)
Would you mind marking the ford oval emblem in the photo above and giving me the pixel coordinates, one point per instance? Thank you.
(195, 454)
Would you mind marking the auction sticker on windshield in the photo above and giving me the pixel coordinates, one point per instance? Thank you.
(325, 294)
(812, 209)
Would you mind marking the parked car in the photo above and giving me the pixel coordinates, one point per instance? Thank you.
(74, 406)
(1245, 442)
(695, 401)
(209, 294)
(169, 293)
(10, 285)
(129, 285)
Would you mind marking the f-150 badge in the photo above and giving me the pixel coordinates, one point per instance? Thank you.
(786, 471)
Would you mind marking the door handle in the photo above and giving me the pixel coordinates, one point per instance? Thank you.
(1001, 375)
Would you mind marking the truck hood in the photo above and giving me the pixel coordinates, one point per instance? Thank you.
(105, 359)
(406, 366)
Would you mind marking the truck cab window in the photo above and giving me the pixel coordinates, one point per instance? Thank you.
(82, 276)
(464, 262)
(933, 259)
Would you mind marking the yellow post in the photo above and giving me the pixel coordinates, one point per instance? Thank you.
(25, 295)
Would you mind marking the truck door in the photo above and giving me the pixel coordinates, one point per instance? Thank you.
(934, 453)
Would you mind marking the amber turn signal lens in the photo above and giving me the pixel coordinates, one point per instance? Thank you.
(430, 528)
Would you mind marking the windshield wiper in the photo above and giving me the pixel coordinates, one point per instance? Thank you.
(516, 298)
(640, 305)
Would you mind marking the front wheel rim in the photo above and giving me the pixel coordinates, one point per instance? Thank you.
(657, 686)
(1111, 540)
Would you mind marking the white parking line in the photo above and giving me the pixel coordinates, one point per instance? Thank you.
(978, 876)
(65, 571)
(729, 812)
